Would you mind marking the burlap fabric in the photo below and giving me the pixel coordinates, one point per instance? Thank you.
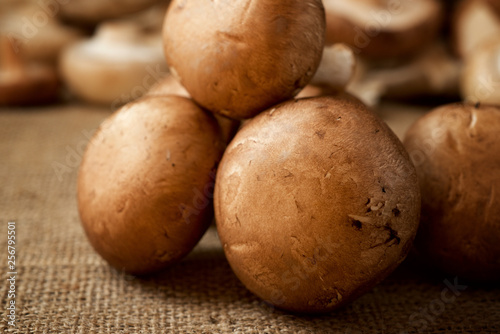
(63, 286)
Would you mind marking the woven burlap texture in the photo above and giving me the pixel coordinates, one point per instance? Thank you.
(63, 286)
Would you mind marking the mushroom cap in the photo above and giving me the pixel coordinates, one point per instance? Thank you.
(118, 65)
(239, 58)
(456, 151)
(145, 182)
(312, 219)
(380, 29)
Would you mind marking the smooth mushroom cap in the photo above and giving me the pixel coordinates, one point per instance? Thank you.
(456, 151)
(120, 64)
(145, 182)
(380, 29)
(314, 218)
(239, 58)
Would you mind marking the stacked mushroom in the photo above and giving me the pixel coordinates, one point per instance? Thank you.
(298, 187)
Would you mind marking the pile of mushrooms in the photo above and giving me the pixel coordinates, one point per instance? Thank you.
(297, 187)
(315, 198)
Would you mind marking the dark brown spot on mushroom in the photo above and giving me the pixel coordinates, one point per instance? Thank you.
(357, 224)
(396, 212)
(393, 235)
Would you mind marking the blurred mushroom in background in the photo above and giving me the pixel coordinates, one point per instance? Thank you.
(119, 64)
(474, 23)
(481, 76)
(93, 12)
(38, 34)
(378, 29)
(24, 83)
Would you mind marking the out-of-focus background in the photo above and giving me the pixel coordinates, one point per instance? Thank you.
(66, 65)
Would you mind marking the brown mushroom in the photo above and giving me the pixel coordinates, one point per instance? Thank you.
(24, 83)
(146, 180)
(316, 201)
(238, 58)
(456, 151)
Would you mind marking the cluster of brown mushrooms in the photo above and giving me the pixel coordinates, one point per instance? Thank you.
(315, 199)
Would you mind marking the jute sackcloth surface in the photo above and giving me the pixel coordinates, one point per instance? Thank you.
(63, 286)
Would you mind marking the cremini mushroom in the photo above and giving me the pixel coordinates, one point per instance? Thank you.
(316, 201)
(146, 180)
(456, 152)
(239, 58)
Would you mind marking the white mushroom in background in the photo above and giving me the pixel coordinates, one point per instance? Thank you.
(481, 76)
(116, 66)
(475, 22)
